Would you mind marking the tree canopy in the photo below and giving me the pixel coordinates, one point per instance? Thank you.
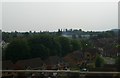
(99, 62)
(17, 49)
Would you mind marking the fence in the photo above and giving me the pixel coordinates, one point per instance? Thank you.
(57, 74)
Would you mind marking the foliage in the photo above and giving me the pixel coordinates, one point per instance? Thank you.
(17, 49)
(65, 45)
(75, 45)
(85, 44)
(117, 62)
(99, 62)
(43, 46)
(107, 34)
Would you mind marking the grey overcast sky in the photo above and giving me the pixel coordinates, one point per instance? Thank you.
(50, 16)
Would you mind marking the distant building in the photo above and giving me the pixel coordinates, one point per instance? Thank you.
(85, 36)
(67, 35)
(75, 34)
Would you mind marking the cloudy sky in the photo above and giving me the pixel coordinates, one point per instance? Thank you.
(50, 16)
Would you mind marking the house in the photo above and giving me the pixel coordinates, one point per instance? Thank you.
(107, 46)
(29, 64)
(53, 62)
(74, 58)
(81, 58)
(7, 65)
(34, 63)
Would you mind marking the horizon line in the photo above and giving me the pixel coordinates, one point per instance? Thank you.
(58, 29)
